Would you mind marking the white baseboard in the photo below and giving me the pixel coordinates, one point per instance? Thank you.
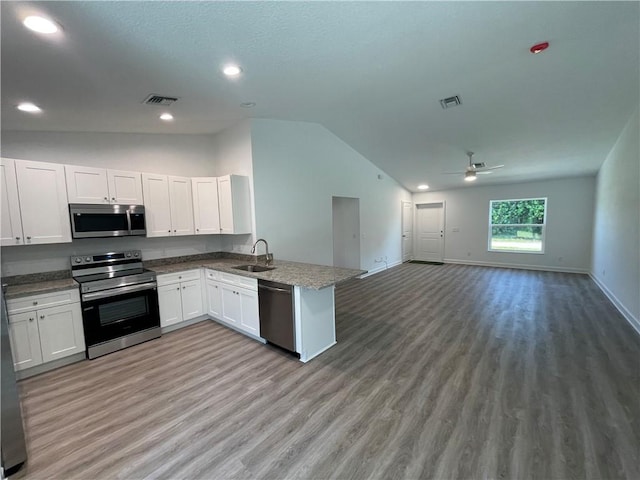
(380, 269)
(544, 268)
(633, 321)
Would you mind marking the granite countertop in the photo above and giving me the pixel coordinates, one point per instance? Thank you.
(36, 288)
(306, 275)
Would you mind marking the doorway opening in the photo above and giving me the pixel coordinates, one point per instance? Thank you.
(346, 232)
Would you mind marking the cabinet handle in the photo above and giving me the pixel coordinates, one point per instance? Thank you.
(35, 303)
(17, 238)
(28, 238)
(184, 288)
(113, 198)
(41, 317)
(169, 231)
(197, 229)
(175, 231)
(31, 319)
(178, 288)
(106, 198)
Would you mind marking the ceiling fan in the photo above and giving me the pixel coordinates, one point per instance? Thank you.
(474, 169)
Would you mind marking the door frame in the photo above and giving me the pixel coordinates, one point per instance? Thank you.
(444, 224)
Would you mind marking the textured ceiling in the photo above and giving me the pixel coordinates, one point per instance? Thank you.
(371, 72)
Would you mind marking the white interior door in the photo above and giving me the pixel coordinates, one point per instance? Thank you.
(430, 232)
(407, 231)
(346, 232)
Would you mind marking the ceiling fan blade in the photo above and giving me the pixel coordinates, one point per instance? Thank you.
(452, 173)
(493, 168)
(480, 172)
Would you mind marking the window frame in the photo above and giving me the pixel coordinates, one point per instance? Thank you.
(543, 236)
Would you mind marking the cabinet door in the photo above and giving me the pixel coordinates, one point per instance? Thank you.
(234, 204)
(181, 205)
(205, 205)
(225, 204)
(157, 205)
(231, 305)
(43, 202)
(214, 299)
(170, 303)
(86, 184)
(11, 223)
(250, 320)
(125, 187)
(25, 340)
(191, 299)
(61, 332)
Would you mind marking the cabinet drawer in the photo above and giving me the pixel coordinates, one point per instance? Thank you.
(212, 274)
(185, 276)
(237, 280)
(23, 304)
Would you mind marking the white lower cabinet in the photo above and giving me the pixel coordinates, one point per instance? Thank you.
(214, 299)
(238, 302)
(46, 334)
(179, 297)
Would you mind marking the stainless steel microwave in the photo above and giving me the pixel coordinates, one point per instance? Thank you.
(91, 221)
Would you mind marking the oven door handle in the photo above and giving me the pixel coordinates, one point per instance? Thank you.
(118, 291)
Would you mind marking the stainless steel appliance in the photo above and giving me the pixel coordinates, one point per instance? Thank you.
(90, 221)
(276, 314)
(14, 452)
(119, 301)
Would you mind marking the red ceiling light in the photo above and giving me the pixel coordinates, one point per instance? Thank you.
(539, 47)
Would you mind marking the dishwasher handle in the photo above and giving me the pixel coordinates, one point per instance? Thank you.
(274, 289)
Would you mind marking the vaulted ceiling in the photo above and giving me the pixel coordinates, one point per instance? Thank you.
(371, 72)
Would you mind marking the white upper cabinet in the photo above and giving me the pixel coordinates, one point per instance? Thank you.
(181, 201)
(98, 185)
(234, 204)
(168, 205)
(43, 202)
(11, 226)
(157, 207)
(205, 205)
(125, 187)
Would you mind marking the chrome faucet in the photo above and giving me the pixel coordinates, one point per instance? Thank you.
(269, 256)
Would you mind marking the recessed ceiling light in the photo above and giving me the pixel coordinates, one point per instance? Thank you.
(29, 107)
(539, 47)
(167, 117)
(423, 187)
(231, 70)
(248, 104)
(40, 24)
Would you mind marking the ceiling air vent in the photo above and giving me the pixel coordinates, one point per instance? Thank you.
(450, 102)
(478, 165)
(154, 99)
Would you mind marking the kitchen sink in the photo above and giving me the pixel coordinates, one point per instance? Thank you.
(254, 268)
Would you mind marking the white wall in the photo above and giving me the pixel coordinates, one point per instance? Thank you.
(616, 229)
(346, 232)
(298, 167)
(568, 227)
(232, 150)
(184, 155)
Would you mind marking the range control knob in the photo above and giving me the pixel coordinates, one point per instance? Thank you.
(137, 254)
(77, 260)
(128, 254)
(87, 259)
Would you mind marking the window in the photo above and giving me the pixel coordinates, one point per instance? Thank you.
(517, 225)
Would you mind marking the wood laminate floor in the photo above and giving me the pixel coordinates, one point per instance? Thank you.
(439, 372)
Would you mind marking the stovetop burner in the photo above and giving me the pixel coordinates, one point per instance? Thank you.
(110, 270)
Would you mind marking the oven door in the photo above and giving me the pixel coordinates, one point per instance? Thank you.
(116, 313)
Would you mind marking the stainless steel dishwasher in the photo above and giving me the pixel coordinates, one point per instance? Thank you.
(276, 314)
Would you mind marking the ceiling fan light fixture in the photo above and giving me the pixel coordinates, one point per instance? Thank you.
(470, 176)
(423, 187)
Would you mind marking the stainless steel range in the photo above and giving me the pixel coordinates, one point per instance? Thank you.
(119, 301)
